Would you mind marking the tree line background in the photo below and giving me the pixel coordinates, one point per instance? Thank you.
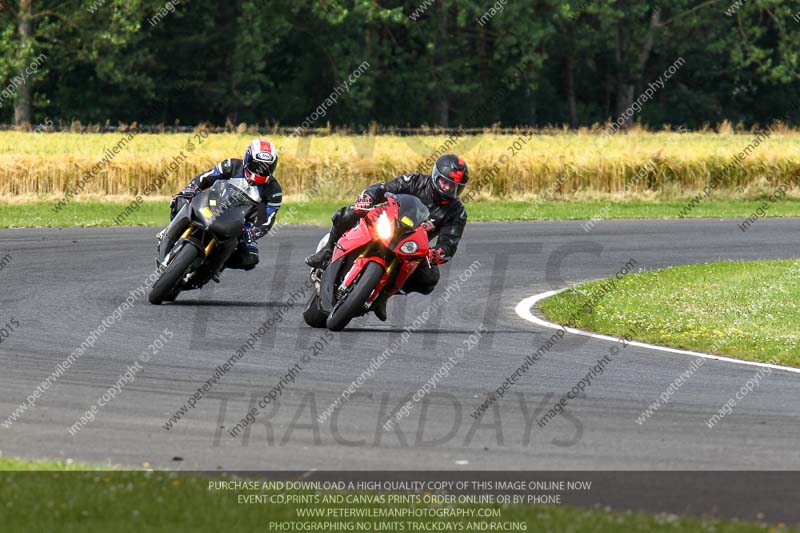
(535, 62)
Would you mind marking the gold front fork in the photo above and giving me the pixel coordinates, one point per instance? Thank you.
(392, 266)
(209, 247)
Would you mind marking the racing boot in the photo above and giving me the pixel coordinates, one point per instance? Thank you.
(323, 257)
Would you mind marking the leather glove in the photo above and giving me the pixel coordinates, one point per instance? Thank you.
(190, 191)
(251, 233)
(363, 202)
(436, 256)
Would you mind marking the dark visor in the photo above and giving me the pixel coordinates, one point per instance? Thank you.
(448, 186)
(258, 167)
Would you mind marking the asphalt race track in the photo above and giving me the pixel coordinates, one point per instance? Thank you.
(61, 283)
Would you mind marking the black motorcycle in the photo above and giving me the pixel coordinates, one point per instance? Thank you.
(200, 239)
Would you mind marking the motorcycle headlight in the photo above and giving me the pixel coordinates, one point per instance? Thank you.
(409, 248)
(384, 227)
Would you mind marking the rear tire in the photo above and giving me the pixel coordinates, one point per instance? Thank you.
(353, 303)
(165, 288)
(313, 314)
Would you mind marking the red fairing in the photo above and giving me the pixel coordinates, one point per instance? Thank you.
(352, 239)
(406, 269)
(364, 234)
(420, 236)
(410, 262)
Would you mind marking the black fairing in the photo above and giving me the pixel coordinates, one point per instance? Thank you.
(178, 225)
(229, 224)
(229, 208)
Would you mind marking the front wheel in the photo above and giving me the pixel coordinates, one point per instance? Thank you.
(344, 311)
(165, 289)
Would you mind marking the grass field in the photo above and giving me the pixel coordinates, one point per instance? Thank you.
(334, 167)
(156, 213)
(63, 500)
(747, 310)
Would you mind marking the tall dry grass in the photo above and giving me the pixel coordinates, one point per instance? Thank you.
(337, 166)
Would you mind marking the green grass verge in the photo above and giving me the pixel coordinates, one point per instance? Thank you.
(155, 213)
(8, 464)
(130, 501)
(742, 309)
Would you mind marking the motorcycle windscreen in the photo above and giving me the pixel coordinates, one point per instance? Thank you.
(225, 194)
(411, 212)
(223, 209)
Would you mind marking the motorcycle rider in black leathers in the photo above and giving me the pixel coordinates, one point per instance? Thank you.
(256, 172)
(440, 192)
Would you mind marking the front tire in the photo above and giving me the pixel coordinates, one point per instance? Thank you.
(165, 288)
(353, 303)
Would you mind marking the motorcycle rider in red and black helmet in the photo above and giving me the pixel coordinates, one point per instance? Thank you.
(440, 192)
(255, 174)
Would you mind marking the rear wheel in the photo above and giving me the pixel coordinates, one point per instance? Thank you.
(353, 303)
(165, 289)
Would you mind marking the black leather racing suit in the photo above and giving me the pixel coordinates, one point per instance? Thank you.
(246, 255)
(448, 217)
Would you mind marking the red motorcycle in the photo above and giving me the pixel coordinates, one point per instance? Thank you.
(373, 259)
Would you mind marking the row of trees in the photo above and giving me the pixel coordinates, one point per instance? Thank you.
(436, 62)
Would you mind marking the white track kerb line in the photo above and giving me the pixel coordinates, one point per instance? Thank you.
(525, 307)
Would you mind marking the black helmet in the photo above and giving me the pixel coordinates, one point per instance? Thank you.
(449, 176)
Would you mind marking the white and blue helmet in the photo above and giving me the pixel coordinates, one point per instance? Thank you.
(260, 160)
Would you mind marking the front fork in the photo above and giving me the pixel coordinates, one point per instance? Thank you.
(382, 284)
(207, 249)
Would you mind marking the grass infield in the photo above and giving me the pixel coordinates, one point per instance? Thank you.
(746, 310)
(111, 501)
(26, 214)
